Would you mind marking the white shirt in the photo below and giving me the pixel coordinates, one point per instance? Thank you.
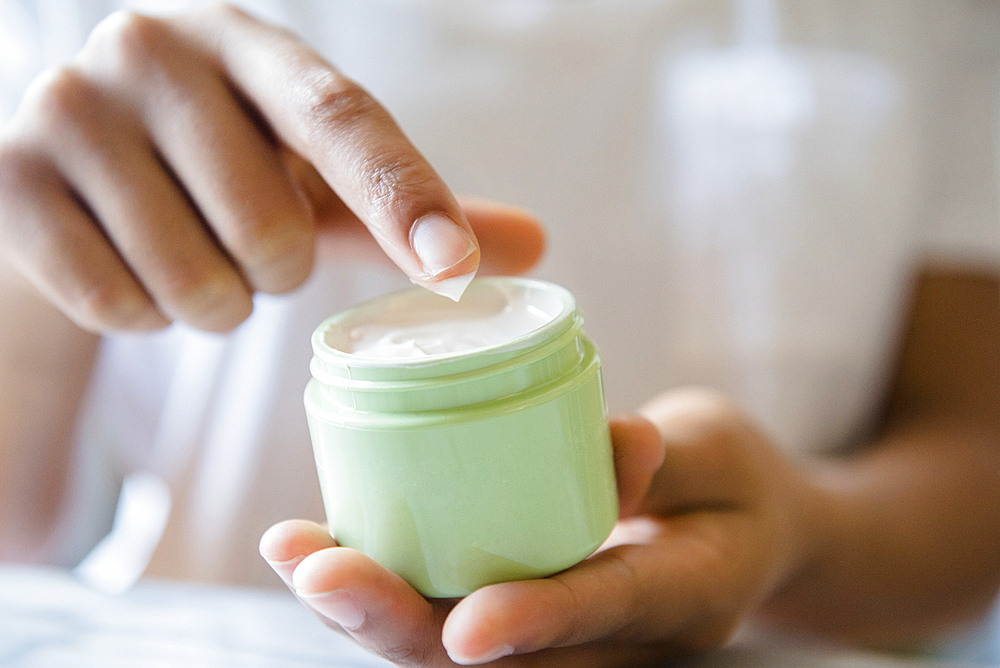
(737, 193)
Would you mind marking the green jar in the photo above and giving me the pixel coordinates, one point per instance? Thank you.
(465, 468)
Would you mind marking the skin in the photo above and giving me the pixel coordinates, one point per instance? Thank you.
(46, 361)
(179, 165)
(174, 168)
(886, 546)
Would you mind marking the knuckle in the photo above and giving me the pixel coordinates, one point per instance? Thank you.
(131, 40)
(217, 15)
(707, 400)
(263, 237)
(333, 104)
(184, 288)
(222, 11)
(61, 96)
(276, 254)
(215, 301)
(99, 303)
(394, 182)
(111, 304)
(713, 412)
(195, 292)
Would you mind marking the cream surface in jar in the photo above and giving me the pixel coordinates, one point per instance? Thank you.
(414, 325)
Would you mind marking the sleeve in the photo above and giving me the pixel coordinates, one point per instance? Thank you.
(962, 188)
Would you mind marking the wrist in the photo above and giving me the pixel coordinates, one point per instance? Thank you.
(816, 514)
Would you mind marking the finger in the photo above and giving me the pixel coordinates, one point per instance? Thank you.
(711, 449)
(287, 543)
(374, 605)
(638, 453)
(511, 240)
(353, 142)
(57, 246)
(528, 616)
(232, 172)
(103, 151)
(632, 594)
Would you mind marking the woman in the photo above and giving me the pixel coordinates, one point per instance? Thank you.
(791, 205)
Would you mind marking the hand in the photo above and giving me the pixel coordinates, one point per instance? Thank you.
(711, 524)
(179, 165)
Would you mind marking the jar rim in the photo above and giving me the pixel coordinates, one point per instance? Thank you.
(562, 300)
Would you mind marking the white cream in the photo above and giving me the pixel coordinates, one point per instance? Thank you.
(452, 288)
(416, 323)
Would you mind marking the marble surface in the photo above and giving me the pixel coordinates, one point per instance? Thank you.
(49, 619)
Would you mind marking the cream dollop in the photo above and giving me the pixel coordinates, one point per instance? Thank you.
(417, 323)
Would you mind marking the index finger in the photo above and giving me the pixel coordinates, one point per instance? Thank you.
(352, 141)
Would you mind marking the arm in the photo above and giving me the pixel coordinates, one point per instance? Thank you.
(45, 361)
(907, 537)
(887, 546)
(173, 169)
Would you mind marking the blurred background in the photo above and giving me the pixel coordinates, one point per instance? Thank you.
(738, 192)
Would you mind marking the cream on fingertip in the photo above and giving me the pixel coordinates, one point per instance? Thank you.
(452, 288)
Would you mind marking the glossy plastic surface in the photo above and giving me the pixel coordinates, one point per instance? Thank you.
(481, 485)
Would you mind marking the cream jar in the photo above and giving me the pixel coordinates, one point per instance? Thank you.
(463, 444)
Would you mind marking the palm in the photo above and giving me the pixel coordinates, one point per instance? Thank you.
(698, 546)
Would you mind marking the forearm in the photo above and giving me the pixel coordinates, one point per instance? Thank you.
(903, 537)
(45, 362)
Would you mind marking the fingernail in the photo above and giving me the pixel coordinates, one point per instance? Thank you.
(440, 243)
(497, 652)
(338, 606)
